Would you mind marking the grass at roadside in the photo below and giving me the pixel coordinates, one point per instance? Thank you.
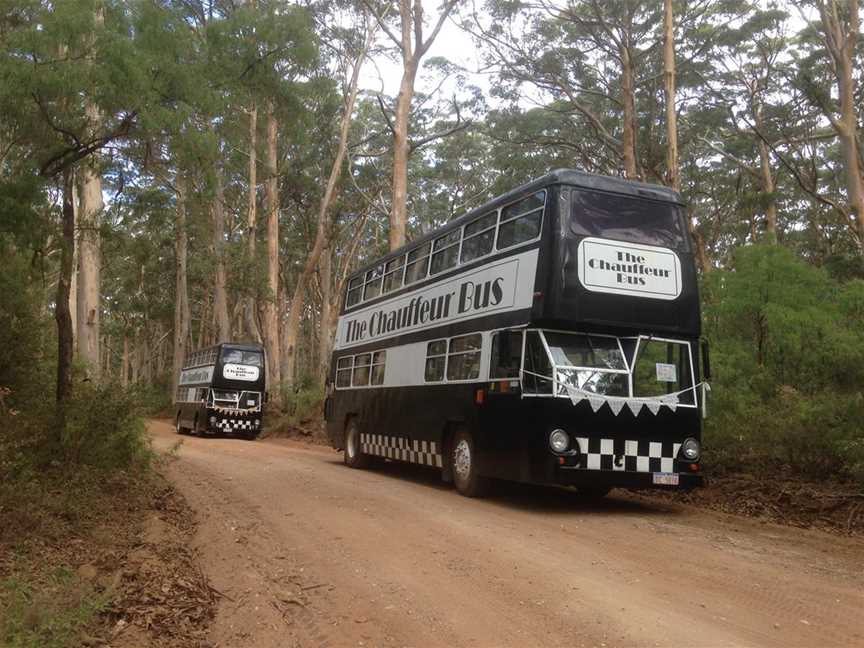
(56, 525)
(79, 563)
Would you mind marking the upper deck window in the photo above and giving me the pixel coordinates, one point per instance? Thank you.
(372, 287)
(446, 252)
(625, 218)
(513, 224)
(418, 264)
(521, 221)
(355, 290)
(478, 237)
(393, 272)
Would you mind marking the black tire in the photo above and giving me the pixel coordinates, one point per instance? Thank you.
(465, 467)
(353, 455)
(180, 429)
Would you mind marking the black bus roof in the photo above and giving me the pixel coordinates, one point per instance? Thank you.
(572, 177)
(240, 346)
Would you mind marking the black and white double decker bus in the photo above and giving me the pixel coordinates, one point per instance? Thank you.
(550, 336)
(221, 390)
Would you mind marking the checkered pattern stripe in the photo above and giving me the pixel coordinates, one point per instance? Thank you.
(232, 425)
(633, 456)
(422, 452)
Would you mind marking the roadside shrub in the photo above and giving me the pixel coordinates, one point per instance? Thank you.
(304, 403)
(788, 364)
(104, 429)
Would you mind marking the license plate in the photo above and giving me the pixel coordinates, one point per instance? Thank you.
(666, 479)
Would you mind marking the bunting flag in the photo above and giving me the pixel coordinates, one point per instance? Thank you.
(616, 403)
(635, 406)
(596, 402)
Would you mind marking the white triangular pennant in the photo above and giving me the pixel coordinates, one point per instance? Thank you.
(596, 403)
(635, 406)
(653, 406)
(576, 396)
(615, 404)
(672, 405)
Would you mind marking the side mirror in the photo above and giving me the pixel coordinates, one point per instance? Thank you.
(706, 361)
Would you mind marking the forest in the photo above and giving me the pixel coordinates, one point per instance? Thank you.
(175, 173)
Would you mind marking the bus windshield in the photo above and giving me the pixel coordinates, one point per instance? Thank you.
(606, 365)
(236, 356)
(624, 218)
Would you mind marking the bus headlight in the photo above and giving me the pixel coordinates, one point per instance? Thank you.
(690, 449)
(212, 420)
(559, 441)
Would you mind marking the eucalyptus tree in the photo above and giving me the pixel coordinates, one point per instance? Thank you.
(71, 89)
(829, 75)
(407, 30)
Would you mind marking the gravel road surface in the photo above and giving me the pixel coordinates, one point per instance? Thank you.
(307, 552)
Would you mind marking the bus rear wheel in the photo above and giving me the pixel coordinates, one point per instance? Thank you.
(353, 454)
(179, 427)
(465, 467)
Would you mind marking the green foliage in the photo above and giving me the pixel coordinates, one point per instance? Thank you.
(52, 616)
(788, 358)
(303, 402)
(103, 429)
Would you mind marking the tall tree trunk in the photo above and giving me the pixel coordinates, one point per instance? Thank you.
(271, 202)
(62, 315)
(293, 324)
(628, 102)
(841, 32)
(401, 151)
(89, 266)
(89, 245)
(325, 332)
(849, 136)
(250, 311)
(73, 285)
(220, 292)
(124, 367)
(672, 173)
(701, 253)
(181, 295)
(768, 189)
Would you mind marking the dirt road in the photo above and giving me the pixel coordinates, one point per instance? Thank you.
(308, 552)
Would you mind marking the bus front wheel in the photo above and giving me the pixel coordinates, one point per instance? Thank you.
(354, 456)
(465, 467)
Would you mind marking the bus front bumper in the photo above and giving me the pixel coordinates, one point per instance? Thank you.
(574, 476)
(234, 424)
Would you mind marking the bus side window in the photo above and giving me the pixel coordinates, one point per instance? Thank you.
(379, 360)
(445, 252)
(418, 264)
(360, 377)
(343, 371)
(436, 358)
(536, 364)
(355, 287)
(463, 357)
(506, 354)
(521, 221)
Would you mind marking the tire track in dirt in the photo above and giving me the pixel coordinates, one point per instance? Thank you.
(397, 559)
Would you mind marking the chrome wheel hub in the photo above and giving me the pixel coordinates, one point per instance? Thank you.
(462, 459)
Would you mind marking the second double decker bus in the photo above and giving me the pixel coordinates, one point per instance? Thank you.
(549, 336)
